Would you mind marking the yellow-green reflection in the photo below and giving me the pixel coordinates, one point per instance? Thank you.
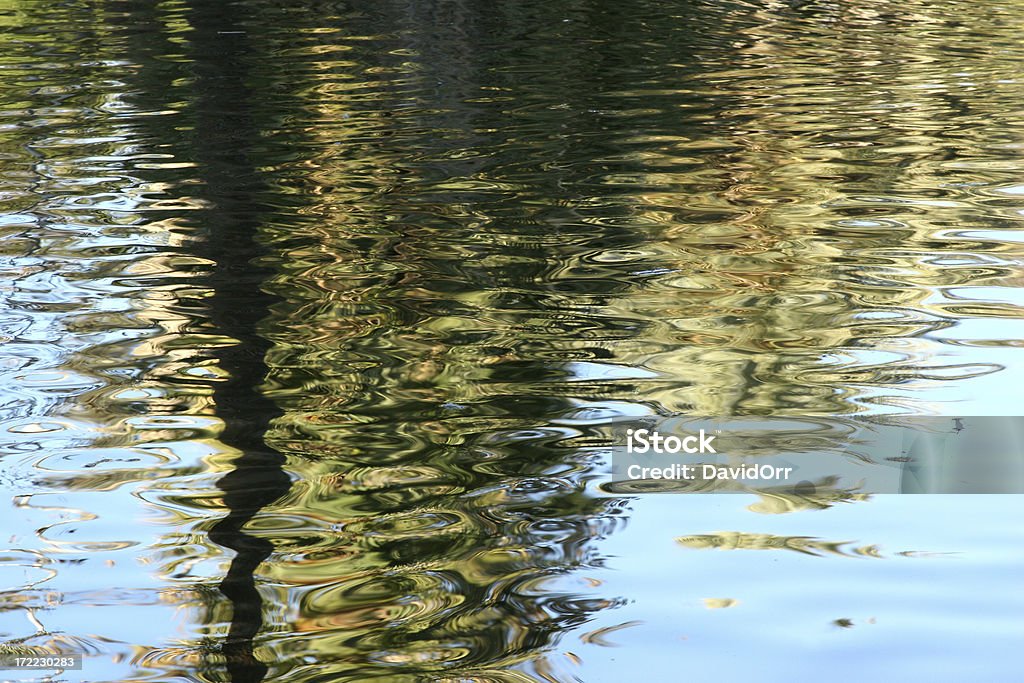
(408, 253)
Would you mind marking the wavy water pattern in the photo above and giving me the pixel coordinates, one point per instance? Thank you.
(310, 312)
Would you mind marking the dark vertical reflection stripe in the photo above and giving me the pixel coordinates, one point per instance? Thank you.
(224, 134)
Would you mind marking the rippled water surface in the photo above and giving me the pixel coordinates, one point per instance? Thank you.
(310, 311)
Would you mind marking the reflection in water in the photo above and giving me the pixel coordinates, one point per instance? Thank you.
(818, 495)
(317, 307)
(734, 540)
(224, 129)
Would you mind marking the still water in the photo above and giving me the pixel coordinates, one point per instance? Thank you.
(310, 312)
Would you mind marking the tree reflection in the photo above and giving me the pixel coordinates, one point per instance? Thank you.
(223, 138)
(413, 251)
(414, 354)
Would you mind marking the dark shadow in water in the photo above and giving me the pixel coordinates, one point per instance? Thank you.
(223, 137)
